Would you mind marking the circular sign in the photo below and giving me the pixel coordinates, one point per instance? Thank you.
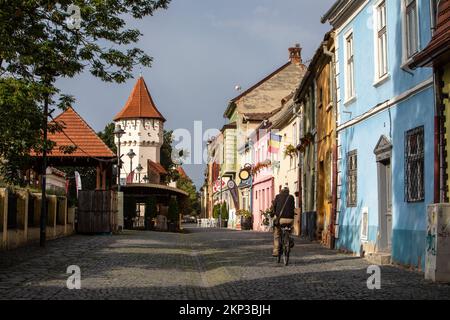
(244, 174)
(231, 184)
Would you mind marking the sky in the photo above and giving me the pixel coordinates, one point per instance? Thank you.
(203, 49)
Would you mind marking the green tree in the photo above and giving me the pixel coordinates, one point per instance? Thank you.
(166, 157)
(191, 203)
(224, 211)
(19, 129)
(38, 45)
(107, 135)
(216, 211)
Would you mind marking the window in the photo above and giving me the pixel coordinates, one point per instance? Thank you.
(412, 32)
(263, 199)
(381, 34)
(350, 67)
(352, 172)
(414, 166)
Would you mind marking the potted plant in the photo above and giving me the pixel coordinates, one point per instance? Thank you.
(290, 151)
(173, 216)
(224, 215)
(216, 211)
(246, 219)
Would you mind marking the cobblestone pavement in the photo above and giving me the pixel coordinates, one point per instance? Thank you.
(202, 264)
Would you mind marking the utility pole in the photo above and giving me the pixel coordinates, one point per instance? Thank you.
(43, 222)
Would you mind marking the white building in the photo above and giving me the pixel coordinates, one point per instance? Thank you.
(144, 126)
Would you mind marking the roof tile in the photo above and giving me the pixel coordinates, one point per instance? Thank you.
(140, 104)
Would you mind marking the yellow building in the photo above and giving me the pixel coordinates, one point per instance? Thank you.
(317, 145)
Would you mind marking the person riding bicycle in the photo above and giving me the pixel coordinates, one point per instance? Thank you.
(283, 209)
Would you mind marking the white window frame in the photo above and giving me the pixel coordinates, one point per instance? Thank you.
(407, 56)
(350, 95)
(379, 32)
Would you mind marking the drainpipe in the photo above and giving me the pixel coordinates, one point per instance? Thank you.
(439, 148)
(299, 173)
(335, 147)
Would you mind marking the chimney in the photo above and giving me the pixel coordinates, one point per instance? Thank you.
(295, 54)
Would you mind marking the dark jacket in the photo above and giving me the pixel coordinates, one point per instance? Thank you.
(289, 208)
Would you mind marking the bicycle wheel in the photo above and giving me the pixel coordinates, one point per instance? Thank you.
(286, 255)
(280, 250)
(286, 248)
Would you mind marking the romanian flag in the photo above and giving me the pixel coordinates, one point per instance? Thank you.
(274, 143)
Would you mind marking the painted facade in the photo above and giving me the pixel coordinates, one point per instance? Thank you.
(385, 128)
(247, 111)
(307, 147)
(286, 124)
(326, 141)
(263, 179)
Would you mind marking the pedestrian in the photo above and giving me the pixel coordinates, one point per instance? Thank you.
(283, 212)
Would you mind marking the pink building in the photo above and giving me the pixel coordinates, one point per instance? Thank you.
(263, 181)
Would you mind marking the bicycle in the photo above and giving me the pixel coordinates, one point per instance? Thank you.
(285, 243)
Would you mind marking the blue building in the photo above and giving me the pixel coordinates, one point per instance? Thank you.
(385, 126)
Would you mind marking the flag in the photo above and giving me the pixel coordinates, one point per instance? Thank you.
(130, 177)
(78, 181)
(274, 143)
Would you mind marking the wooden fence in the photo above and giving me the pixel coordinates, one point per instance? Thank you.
(97, 212)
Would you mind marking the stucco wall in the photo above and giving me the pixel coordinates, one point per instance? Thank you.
(409, 219)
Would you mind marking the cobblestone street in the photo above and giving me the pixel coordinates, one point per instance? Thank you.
(201, 264)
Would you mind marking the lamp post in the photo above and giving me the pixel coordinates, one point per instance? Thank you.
(119, 132)
(131, 155)
(139, 169)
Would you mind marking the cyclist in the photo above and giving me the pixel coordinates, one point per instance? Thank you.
(283, 209)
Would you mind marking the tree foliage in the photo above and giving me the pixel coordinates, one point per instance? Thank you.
(37, 46)
(166, 157)
(19, 129)
(191, 205)
(107, 135)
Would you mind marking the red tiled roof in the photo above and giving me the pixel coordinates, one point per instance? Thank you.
(440, 43)
(182, 172)
(140, 104)
(81, 135)
(156, 167)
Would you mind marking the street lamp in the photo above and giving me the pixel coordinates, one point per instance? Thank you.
(131, 155)
(139, 169)
(118, 132)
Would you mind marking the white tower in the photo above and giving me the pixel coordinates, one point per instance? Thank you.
(144, 126)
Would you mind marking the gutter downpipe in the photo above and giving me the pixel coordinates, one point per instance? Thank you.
(335, 147)
(439, 193)
(299, 169)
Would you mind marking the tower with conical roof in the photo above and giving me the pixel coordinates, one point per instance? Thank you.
(144, 126)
